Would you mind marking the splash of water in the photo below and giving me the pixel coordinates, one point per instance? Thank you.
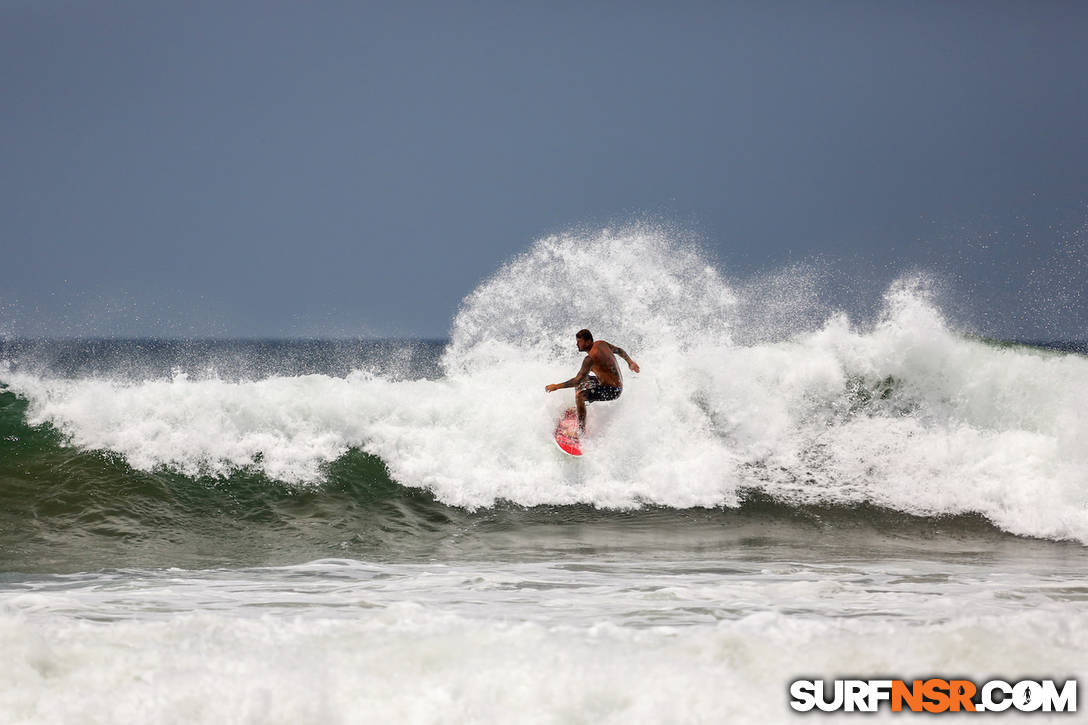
(739, 390)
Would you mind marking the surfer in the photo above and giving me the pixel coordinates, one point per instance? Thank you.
(599, 378)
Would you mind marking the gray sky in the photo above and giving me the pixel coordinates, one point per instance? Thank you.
(351, 168)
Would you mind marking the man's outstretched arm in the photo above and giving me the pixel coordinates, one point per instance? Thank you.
(616, 350)
(587, 365)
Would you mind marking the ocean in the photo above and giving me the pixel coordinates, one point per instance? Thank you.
(338, 531)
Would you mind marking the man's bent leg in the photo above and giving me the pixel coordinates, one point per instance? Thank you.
(580, 404)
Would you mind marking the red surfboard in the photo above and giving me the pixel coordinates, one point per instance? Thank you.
(566, 433)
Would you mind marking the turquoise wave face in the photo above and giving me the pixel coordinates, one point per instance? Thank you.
(64, 509)
(750, 396)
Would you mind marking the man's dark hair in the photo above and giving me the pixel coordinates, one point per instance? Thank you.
(584, 334)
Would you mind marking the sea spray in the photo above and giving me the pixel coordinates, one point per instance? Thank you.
(637, 287)
(903, 412)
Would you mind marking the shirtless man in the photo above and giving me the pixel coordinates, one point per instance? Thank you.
(599, 377)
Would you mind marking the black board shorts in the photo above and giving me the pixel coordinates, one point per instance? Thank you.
(595, 391)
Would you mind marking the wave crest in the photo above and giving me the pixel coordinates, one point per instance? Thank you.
(904, 413)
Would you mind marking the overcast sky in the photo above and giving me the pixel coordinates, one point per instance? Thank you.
(355, 168)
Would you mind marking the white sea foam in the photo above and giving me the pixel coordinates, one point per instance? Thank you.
(340, 641)
(903, 412)
(413, 665)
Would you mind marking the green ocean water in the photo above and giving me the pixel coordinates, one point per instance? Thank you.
(205, 532)
(63, 508)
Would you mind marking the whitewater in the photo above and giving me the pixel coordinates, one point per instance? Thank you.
(313, 531)
(903, 412)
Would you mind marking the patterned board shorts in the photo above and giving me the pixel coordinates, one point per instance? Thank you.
(596, 391)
